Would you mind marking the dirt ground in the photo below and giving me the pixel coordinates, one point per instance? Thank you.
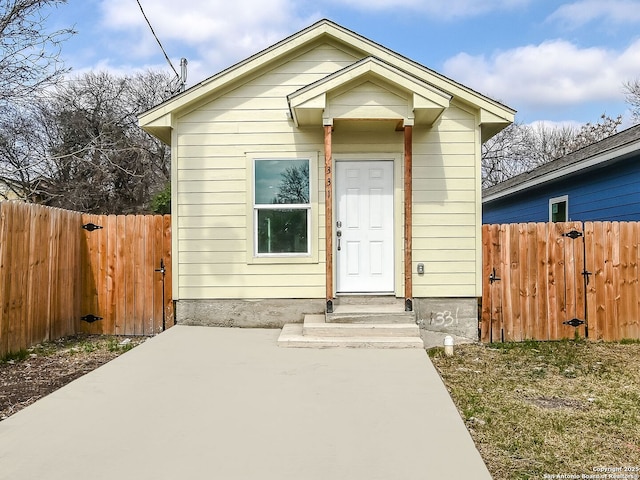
(31, 374)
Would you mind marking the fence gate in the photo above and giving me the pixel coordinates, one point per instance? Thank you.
(126, 285)
(534, 282)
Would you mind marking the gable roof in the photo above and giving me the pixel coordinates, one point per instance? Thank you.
(158, 120)
(614, 148)
(312, 97)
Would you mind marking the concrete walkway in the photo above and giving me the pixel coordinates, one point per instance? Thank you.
(222, 403)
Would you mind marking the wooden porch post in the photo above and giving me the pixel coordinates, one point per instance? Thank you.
(328, 216)
(408, 220)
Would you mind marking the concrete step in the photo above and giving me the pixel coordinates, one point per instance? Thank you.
(371, 313)
(315, 325)
(292, 336)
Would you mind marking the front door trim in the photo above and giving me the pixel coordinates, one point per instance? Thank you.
(398, 237)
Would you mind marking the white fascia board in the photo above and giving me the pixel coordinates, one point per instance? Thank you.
(568, 170)
(363, 67)
(439, 81)
(326, 27)
(236, 71)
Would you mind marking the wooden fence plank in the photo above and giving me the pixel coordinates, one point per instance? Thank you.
(635, 280)
(541, 330)
(5, 221)
(570, 289)
(19, 255)
(120, 278)
(531, 312)
(502, 288)
(102, 240)
(579, 266)
(158, 253)
(149, 274)
(129, 273)
(169, 313)
(610, 303)
(556, 304)
(511, 312)
(625, 281)
(138, 261)
(89, 277)
(111, 254)
(521, 330)
(487, 268)
(591, 315)
(600, 257)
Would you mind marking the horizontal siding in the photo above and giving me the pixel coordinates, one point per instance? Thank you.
(448, 208)
(445, 216)
(436, 256)
(211, 173)
(257, 270)
(212, 146)
(251, 291)
(220, 232)
(367, 100)
(213, 142)
(436, 266)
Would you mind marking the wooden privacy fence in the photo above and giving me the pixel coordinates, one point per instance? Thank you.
(548, 281)
(54, 272)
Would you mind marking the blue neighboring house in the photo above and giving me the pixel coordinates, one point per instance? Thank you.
(600, 182)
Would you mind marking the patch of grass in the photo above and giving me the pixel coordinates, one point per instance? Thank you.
(536, 408)
(116, 345)
(15, 356)
(75, 344)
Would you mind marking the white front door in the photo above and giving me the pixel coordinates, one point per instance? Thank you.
(364, 227)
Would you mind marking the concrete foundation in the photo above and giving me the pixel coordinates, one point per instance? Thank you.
(456, 316)
(261, 313)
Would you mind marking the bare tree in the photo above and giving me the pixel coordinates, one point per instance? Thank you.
(81, 147)
(294, 185)
(21, 153)
(520, 148)
(29, 54)
(632, 94)
(506, 154)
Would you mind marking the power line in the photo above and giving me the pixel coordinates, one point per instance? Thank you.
(158, 40)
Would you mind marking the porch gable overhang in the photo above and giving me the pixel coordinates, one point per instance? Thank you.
(310, 104)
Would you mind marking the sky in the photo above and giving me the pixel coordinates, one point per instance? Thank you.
(552, 61)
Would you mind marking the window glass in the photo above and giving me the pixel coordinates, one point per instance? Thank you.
(278, 230)
(282, 181)
(559, 211)
(282, 231)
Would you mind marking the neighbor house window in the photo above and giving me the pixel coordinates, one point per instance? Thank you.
(559, 209)
(281, 207)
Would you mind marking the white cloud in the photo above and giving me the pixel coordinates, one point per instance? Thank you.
(576, 14)
(553, 73)
(444, 9)
(217, 33)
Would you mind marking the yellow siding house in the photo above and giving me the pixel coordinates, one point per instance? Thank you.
(325, 167)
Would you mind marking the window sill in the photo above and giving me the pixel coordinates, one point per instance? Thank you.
(283, 260)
